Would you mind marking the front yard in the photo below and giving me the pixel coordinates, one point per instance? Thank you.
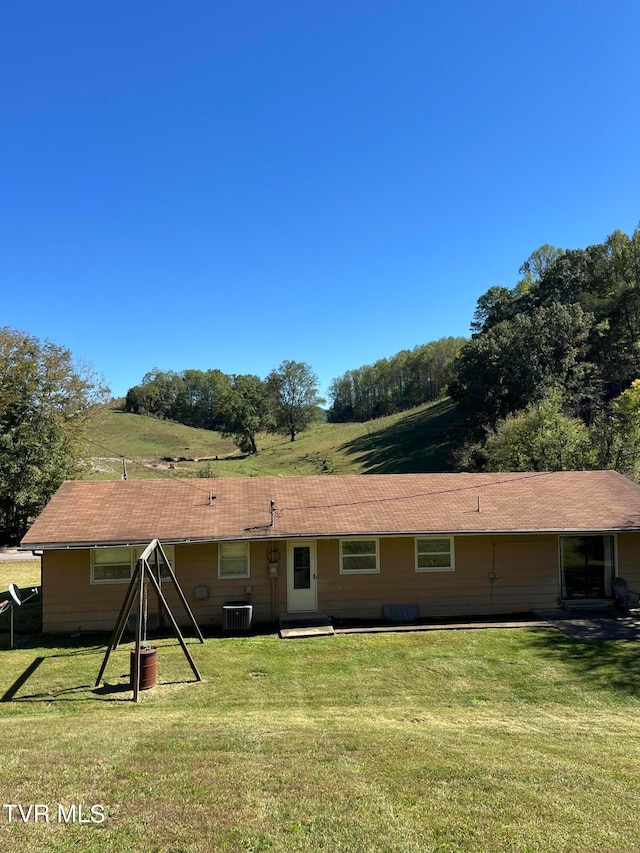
(489, 741)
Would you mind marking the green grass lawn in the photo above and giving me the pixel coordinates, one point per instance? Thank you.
(23, 573)
(445, 741)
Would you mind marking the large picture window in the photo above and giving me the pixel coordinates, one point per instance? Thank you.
(588, 566)
(116, 565)
(435, 554)
(359, 556)
(233, 560)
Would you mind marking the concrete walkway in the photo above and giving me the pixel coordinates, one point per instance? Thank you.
(446, 626)
(603, 625)
(318, 625)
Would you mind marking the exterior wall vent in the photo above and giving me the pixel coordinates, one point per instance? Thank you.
(237, 616)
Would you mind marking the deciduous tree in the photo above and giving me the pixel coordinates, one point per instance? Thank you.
(244, 410)
(516, 362)
(295, 401)
(541, 438)
(616, 434)
(45, 404)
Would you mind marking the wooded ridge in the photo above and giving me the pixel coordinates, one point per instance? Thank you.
(565, 337)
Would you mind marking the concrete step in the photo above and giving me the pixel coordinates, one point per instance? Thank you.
(587, 604)
(301, 625)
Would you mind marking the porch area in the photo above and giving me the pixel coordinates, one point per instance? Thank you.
(595, 624)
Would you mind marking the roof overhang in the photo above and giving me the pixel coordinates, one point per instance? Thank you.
(131, 543)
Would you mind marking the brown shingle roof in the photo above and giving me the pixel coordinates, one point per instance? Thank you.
(136, 511)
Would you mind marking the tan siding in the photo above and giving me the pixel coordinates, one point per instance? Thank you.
(526, 569)
(71, 601)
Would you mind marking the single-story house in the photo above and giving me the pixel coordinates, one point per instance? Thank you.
(346, 546)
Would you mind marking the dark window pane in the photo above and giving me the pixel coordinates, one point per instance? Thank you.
(302, 568)
(587, 566)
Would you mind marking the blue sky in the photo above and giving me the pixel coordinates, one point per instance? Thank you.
(231, 184)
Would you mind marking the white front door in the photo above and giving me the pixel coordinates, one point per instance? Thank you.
(302, 581)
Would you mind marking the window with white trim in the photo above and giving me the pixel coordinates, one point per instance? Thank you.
(116, 565)
(111, 565)
(359, 556)
(233, 560)
(435, 554)
(170, 553)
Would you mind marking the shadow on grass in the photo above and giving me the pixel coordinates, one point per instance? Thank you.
(68, 647)
(611, 665)
(21, 680)
(89, 693)
(10, 695)
(63, 646)
(420, 443)
(70, 694)
(27, 618)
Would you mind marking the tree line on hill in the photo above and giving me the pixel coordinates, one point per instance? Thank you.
(237, 406)
(390, 385)
(544, 382)
(240, 406)
(548, 380)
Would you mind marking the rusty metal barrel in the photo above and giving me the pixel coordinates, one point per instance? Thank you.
(148, 668)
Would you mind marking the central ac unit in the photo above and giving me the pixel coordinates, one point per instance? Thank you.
(237, 617)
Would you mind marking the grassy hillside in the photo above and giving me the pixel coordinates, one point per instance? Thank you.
(150, 438)
(420, 440)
